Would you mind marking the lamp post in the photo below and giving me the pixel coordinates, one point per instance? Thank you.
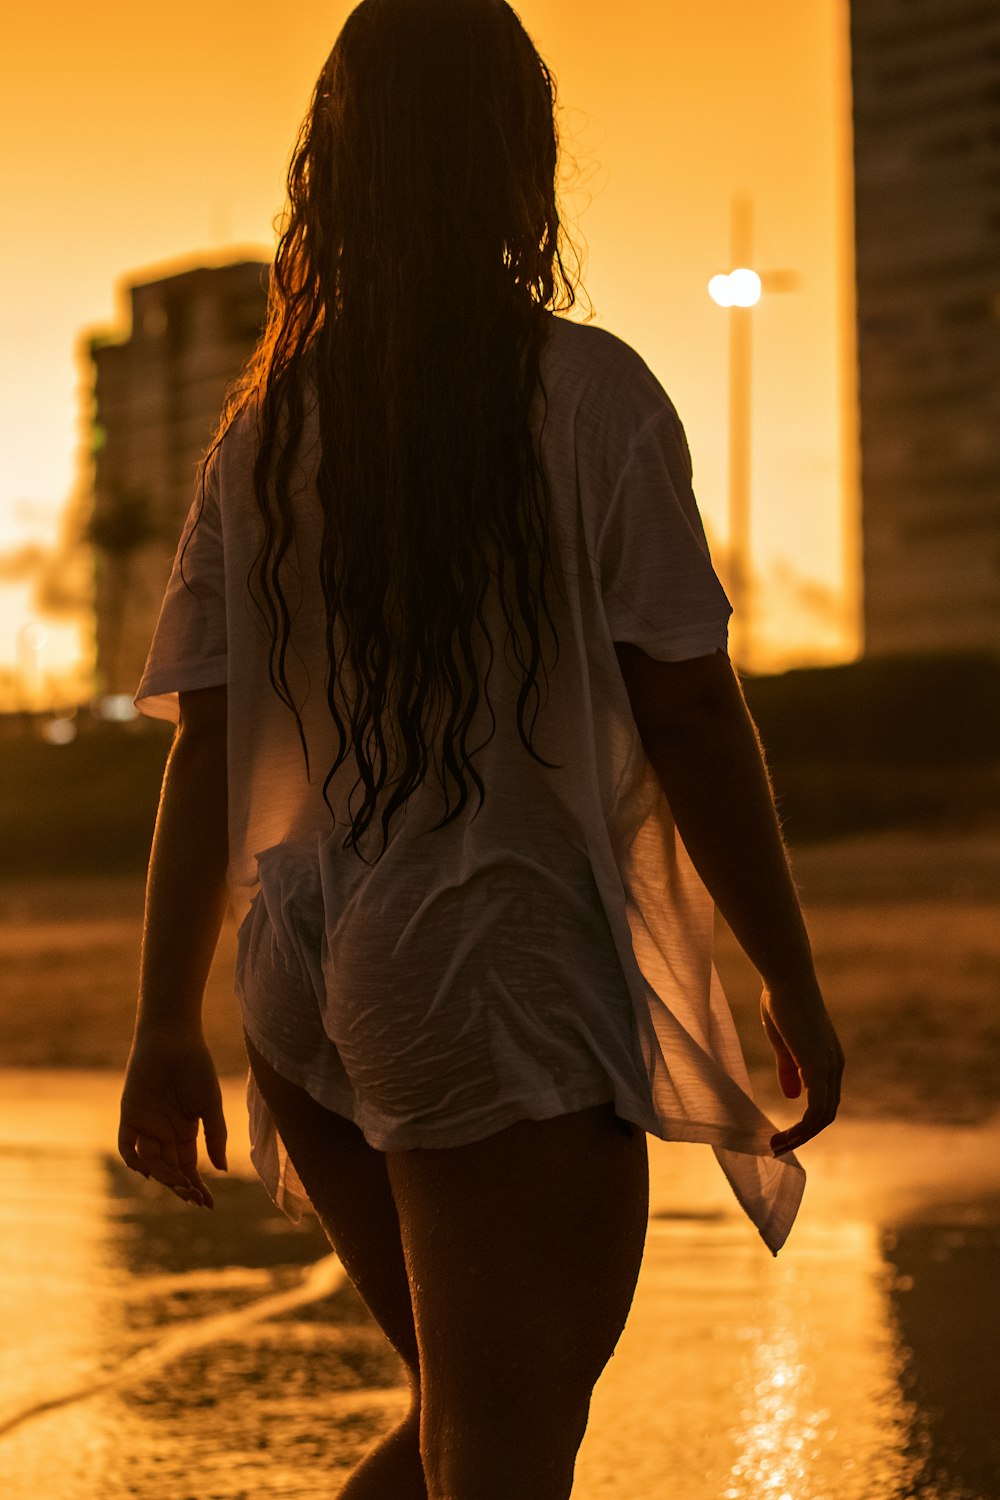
(739, 290)
(31, 639)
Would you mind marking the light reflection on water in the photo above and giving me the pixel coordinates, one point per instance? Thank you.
(856, 1366)
(743, 1378)
(53, 1316)
(821, 1416)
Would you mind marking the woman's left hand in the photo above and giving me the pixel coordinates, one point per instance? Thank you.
(171, 1084)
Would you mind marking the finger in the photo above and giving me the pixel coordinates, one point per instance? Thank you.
(817, 1117)
(127, 1152)
(821, 1110)
(187, 1162)
(789, 1078)
(839, 1082)
(191, 1192)
(201, 1197)
(161, 1159)
(216, 1136)
(826, 1089)
(186, 1155)
(158, 1157)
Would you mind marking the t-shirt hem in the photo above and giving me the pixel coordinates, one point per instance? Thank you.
(156, 695)
(390, 1135)
(690, 644)
(281, 1183)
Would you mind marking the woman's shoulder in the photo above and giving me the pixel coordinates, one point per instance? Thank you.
(605, 366)
(595, 347)
(605, 382)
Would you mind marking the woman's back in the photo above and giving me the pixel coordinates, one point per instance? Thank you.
(619, 941)
(632, 562)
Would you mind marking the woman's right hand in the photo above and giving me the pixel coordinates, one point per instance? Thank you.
(808, 1054)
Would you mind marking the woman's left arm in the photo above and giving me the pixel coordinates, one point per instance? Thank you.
(186, 890)
(170, 1081)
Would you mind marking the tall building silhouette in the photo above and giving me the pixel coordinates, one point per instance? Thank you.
(926, 83)
(157, 397)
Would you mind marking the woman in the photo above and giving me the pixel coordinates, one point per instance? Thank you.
(459, 738)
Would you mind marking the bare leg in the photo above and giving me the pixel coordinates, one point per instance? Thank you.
(392, 1468)
(348, 1184)
(523, 1251)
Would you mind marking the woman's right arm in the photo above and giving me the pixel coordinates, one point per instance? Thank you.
(703, 745)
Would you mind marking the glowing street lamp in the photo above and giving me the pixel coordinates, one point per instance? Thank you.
(739, 290)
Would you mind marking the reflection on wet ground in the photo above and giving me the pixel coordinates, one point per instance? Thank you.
(156, 1350)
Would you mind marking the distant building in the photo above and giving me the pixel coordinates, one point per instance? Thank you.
(926, 82)
(158, 395)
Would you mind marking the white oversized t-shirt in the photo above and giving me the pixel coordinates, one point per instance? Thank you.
(547, 952)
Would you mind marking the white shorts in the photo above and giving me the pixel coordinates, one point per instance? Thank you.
(484, 1032)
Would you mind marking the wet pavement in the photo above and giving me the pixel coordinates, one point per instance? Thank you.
(151, 1349)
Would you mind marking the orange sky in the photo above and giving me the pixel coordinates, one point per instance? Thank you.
(139, 140)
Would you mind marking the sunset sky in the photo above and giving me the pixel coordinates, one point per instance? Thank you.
(139, 141)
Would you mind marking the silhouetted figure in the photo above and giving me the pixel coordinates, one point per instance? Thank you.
(447, 656)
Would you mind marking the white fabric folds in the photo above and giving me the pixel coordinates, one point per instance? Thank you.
(550, 951)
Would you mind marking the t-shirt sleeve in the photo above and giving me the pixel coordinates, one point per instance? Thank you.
(659, 587)
(189, 643)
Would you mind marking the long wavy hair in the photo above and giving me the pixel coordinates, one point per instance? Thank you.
(417, 265)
